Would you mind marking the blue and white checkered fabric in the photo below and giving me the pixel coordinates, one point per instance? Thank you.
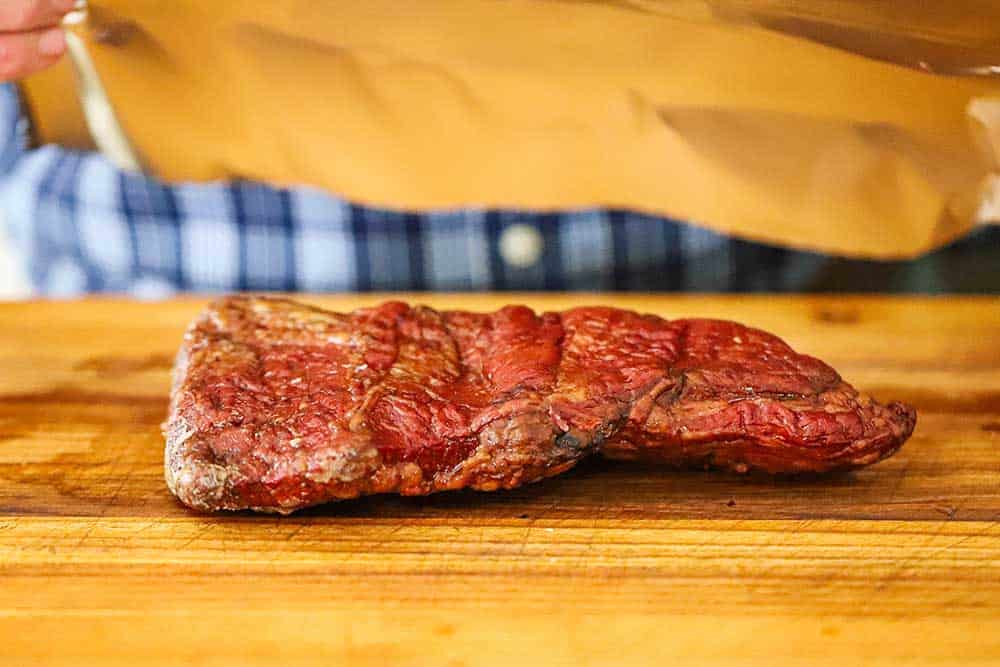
(85, 226)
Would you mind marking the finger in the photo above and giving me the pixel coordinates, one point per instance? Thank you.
(24, 15)
(25, 53)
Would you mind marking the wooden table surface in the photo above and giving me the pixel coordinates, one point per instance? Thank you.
(610, 564)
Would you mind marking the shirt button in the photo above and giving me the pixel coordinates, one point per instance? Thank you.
(521, 245)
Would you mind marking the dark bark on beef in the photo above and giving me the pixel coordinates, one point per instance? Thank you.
(278, 406)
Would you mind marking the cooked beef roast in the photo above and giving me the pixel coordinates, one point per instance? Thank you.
(277, 406)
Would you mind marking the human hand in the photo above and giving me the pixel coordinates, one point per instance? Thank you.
(30, 36)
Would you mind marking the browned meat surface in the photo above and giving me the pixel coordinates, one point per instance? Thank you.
(278, 406)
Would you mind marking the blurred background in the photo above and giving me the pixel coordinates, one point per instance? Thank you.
(13, 281)
(969, 266)
(851, 128)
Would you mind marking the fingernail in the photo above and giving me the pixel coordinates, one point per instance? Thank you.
(52, 42)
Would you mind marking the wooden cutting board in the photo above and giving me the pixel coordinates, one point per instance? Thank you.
(610, 564)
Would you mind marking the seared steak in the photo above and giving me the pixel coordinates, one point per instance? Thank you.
(277, 405)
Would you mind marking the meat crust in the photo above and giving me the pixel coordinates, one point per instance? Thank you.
(277, 405)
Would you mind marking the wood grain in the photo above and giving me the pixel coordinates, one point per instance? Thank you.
(612, 563)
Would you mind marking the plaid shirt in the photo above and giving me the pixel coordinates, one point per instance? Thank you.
(85, 226)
